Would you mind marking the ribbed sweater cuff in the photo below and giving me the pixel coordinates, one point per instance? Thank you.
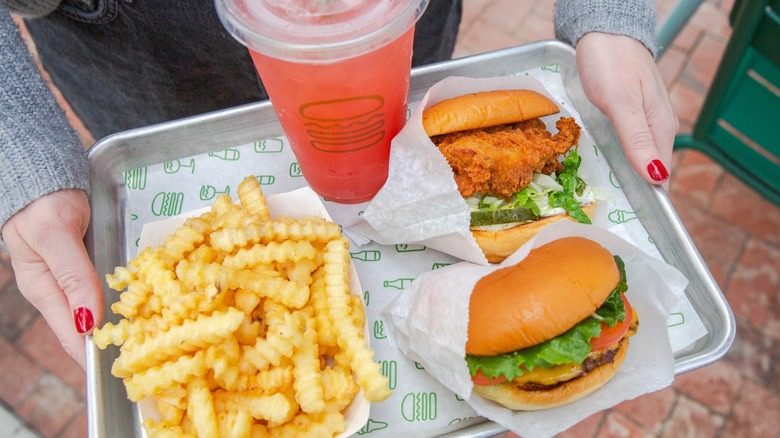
(636, 19)
(39, 151)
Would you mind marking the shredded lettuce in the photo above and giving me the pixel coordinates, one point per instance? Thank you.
(573, 346)
(544, 193)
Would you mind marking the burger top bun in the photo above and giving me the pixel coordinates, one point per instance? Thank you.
(485, 109)
(556, 286)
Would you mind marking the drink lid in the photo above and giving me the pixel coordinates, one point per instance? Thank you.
(317, 30)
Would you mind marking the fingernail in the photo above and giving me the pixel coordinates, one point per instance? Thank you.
(83, 318)
(657, 171)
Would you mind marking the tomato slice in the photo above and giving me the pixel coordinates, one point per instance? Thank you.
(482, 380)
(611, 335)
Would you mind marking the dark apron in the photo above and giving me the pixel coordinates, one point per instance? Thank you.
(123, 64)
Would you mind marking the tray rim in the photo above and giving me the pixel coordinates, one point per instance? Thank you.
(126, 150)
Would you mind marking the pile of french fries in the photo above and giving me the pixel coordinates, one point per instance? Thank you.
(240, 325)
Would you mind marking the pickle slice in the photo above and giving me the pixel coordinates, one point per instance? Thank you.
(502, 216)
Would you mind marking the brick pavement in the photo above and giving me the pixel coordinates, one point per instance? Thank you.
(736, 231)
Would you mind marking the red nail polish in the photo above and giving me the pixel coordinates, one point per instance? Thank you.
(657, 171)
(83, 318)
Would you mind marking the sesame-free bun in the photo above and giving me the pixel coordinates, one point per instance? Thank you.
(519, 399)
(556, 286)
(484, 109)
(500, 243)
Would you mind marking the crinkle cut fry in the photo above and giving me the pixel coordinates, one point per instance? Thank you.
(279, 252)
(189, 337)
(166, 375)
(310, 228)
(250, 194)
(368, 372)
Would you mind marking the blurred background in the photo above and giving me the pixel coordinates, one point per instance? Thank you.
(42, 391)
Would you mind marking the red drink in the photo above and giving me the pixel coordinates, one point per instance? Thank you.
(337, 73)
(340, 117)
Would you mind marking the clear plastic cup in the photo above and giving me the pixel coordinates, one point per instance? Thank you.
(337, 74)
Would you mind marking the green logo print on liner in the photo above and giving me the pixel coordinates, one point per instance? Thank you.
(398, 283)
(295, 170)
(226, 154)
(167, 203)
(418, 365)
(439, 265)
(268, 146)
(405, 247)
(135, 179)
(675, 319)
(613, 181)
(210, 192)
(390, 370)
(174, 166)
(368, 255)
(621, 216)
(420, 406)
(555, 68)
(379, 329)
(265, 180)
(371, 426)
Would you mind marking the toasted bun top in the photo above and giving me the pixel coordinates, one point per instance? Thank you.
(556, 286)
(484, 109)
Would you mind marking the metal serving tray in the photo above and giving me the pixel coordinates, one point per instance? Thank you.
(111, 414)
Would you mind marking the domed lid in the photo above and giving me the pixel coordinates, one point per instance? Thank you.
(317, 30)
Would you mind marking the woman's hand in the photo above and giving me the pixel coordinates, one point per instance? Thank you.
(620, 77)
(52, 268)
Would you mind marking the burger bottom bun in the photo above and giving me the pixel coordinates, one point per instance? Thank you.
(498, 245)
(519, 399)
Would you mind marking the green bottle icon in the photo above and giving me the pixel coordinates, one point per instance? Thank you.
(439, 265)
(226, 154)
(379, 330)
(419, 406)
(398, 283)
(210, 192)
(390, 370)
(555, 68)
(371, 426)
(405, 247)
(295, 170)
(174, 166)
(135, 179)
(167, 203)
(270, 145)
(265, 180)
(369, 255)
(621, 216)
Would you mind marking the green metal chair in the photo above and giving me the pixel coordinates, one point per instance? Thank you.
(739, 124)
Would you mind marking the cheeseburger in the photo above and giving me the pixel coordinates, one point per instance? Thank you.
(515, 175)
(550, 329)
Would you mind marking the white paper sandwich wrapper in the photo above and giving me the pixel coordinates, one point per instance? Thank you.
(429, 322)
(297, 203)
(420, 202)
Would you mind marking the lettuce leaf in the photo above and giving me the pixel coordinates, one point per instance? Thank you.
(573, 346)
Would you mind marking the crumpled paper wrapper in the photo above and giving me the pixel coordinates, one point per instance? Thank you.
(420, 202)
(429, 322)
(297, 203)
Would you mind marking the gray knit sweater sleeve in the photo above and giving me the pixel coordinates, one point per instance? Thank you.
(634, 18)
(39, 150)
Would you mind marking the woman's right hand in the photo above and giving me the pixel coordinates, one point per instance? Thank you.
(52, 267)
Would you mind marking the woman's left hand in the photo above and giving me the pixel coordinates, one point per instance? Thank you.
(620, 77)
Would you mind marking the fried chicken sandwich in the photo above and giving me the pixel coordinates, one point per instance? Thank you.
(515, 175)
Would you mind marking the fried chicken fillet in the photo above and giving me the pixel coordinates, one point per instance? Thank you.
(501, 160)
